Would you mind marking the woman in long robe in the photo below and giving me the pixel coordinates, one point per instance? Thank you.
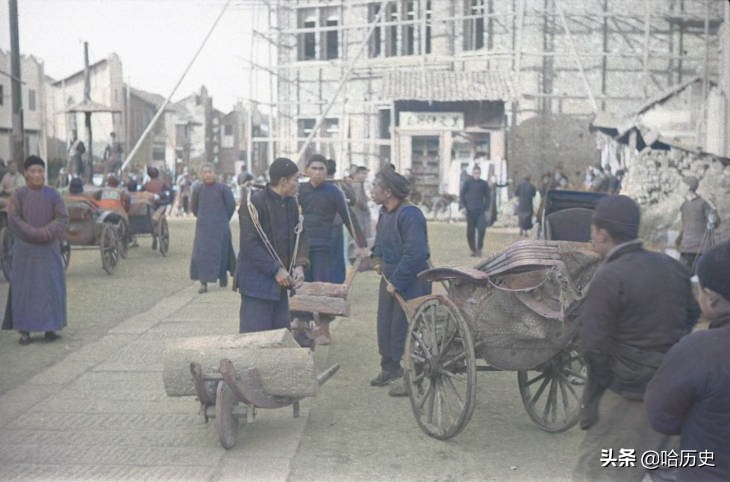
(37, 219)
(213, 205)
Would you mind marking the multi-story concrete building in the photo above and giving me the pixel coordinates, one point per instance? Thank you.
(430, 84)
(33, 101)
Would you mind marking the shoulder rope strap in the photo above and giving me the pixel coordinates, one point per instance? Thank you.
(253, 212)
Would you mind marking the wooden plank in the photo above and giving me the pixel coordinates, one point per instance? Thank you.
(325, 305)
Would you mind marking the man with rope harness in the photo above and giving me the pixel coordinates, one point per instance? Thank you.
(273, 249)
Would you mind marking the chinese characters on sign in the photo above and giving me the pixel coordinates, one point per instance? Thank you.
(432, 120)
(651, 459)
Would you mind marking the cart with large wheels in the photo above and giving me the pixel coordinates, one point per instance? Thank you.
(515, 311)
(92, 228)
(147, 217)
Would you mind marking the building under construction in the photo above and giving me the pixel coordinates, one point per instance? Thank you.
(431, 84)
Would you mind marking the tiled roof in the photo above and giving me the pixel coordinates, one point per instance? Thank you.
(446, 85)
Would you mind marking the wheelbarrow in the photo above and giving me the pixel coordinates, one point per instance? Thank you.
(231, 397)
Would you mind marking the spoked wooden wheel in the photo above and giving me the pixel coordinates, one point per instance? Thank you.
(6, 251)
(65, 253)
(123, 239)
(552, 392)
(226, 423)
(163, 238)
(108, 246)
(440, 368)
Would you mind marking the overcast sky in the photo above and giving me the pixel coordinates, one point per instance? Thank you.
(155, 39)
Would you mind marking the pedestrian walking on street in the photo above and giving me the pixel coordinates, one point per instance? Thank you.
(639, 303)
(475, 199)
(525, 193)
(37, 218)
(698, 223)
(360, 207)
(689, 395)
(321, 201)
(401, 249)
(273, 248)
(213, 256)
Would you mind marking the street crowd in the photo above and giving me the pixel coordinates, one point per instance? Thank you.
(652, 375)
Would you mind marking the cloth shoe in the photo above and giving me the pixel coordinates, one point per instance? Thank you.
(223, 282)
(24, 338)
(398, 388)
(203, 288)
(385, 377)
(323, 333)
(52, 336)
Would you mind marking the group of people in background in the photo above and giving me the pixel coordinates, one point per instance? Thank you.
(648, 377)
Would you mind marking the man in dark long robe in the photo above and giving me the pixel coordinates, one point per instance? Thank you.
(213, 255)
(270, 262)
(37, 218)
(525, 193)
(401, 244)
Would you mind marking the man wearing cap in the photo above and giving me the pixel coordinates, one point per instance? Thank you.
(272, 251)
(401, 245)
(696, 212)
(37, 217)
(638, 305)
(321, 201)
(690, 392)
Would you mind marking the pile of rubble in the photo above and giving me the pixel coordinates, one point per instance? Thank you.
(656, 181)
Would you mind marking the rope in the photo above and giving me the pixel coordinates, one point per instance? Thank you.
(253, 212)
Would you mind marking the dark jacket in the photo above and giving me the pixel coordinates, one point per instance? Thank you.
(401, 243)
(695, 212)
(256, 270)
(474, 195)
(320, 205)
(638, 305)
(690, 395)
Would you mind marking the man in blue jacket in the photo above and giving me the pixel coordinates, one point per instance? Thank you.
(272, 251)
(690, 392)
(401, 245)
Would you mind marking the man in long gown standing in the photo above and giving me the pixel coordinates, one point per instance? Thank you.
(213, 205)
(37, 218)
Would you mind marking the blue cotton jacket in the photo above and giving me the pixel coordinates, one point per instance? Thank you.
(401, 242)
(690, 396)
(255, 274)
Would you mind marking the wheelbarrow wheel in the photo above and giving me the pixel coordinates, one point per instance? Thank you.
(226, 423)
(65, 253)
(440, 371)
(552, 392)
(108, 247)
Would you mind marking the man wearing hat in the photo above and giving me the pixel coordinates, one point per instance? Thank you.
(639, 303)
(272, 251)
(37, 217)
(690, 392)
(694, 238)
(401, 245)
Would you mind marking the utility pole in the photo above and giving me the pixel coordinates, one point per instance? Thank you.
(17, 144)
(87, 114)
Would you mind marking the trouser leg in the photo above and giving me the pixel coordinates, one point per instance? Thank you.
(470, 229)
